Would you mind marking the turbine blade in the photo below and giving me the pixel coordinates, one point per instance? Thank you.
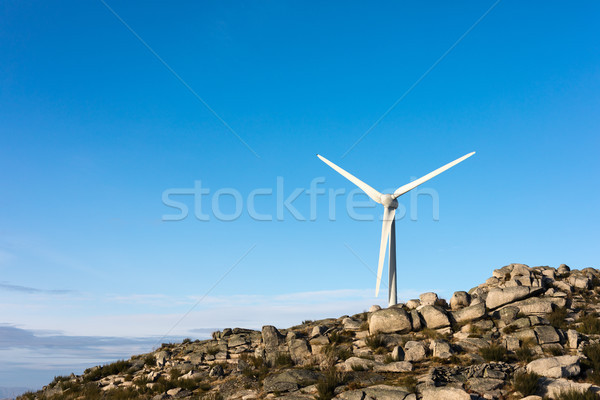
(388, 218)
(372, 193)
(410, 186)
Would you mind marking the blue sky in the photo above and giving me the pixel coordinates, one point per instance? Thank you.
(95, 128)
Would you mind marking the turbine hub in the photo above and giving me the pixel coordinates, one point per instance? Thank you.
(388, 201)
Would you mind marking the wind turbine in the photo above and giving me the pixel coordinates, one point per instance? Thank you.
(390, 204)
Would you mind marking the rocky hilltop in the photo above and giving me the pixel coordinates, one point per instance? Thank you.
(525, 332)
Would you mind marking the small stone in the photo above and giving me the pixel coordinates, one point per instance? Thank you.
(216, 372)
(428, 299)
(563, 269)
(397, 366)
(412, 304)
(374, 308)
(573, 338)
(174, 392)
(318, 331)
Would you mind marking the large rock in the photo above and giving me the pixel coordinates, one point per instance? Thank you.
(271, 337)
(499, 297)
(484, 385)
(357, 362)
(441, 349)
(290, 379)
(434, 317)
(415, 318)
(445, 393)
(579, 281)
(299, 351)
(469, 313)
(459, 300)
(398, 353)
(397, 366)
(555, 367)
(389, 320)
(414, 351)
(428, 299)
(377, 392)
(546, 334)
(535, 305)
(554, 387)
(508, 314)
(351, 324)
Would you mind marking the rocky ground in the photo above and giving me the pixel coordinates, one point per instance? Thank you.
(524, 332)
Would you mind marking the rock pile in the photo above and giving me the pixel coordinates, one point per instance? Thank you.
(524, 332)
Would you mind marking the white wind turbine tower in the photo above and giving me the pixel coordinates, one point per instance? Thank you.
(389, 226)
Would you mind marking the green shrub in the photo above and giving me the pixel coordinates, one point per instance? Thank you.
(592, 353)
(174, 374)
(526, 383)
(388, 359)
(283, 360)
(187, 340)
(576, 395)
(358, 367)
(510, 329)
(58, 379)
(163, 384)
(141, 382)
(338, 338)
(557, 318)
(556, 351)
(524, 354)
(342, 352)
(122, 394)
(150, 360)
(493, 352)
(375, 342)
(212, 350)
(94, 374)
(430, 333)
(590, 325)
(408, 382)
(475, 331)
(327, 384)
(257, 367)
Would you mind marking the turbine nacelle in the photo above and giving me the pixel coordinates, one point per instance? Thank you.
(388, 201)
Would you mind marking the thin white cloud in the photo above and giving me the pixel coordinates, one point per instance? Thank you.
(31, 290)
